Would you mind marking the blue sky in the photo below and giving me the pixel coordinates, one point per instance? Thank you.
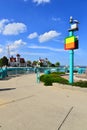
(37, 28)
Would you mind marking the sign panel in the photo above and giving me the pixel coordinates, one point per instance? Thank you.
(74, 27)
(71, 43)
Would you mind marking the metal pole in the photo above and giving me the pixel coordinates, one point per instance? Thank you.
(71, 79)
(71, 66)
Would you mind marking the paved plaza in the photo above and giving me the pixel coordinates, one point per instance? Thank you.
(28, 105)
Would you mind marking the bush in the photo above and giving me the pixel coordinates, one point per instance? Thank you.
(58, 73)
(55, 77)
(48, 79)
(43, 77)
(80, 84)
(60, 80)
(48, 82)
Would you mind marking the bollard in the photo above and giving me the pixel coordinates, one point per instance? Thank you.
(38, 76)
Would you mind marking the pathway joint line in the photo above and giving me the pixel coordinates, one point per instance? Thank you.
(65, 118)
(16, 100)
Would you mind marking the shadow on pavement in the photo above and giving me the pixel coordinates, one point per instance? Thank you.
(6, 89)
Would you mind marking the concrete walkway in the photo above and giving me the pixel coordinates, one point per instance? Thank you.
(27, 105)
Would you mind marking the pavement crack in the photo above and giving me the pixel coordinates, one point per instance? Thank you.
(65, 118)
(17, 100)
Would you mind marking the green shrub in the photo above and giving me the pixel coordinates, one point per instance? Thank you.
(44, 77)
(60, 80)
(55, 77)
(48, 79)
(58, 73)
(80, 84)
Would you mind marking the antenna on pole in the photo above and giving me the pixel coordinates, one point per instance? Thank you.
(8, 51)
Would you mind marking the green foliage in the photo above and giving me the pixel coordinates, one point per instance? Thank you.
(58, 73)
(57, 64)
(55, 77)
(44, 77)
(41, 64)
(3, 61)
(52, 65)
(29, 63)
(48, 79)
(34, 63)
(59, 79)
(82, 84)
(49, 63)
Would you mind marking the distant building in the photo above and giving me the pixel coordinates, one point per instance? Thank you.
(17, 61)
(43, 62)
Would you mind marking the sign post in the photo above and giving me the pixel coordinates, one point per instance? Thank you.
(71, 79)
(71, 43)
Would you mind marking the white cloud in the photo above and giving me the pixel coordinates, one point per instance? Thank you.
(25, 0)
(33, 35)
(46, 47)
(14, 28)
(15, 52)
(48, 36)
(58, 40)
(41, 1)
(56, 19)
(16, 44)
(35, 54)
(2, 24)
(7, 28)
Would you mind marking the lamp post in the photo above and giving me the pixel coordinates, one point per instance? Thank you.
(71, 43)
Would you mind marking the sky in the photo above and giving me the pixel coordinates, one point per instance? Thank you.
(37, 29)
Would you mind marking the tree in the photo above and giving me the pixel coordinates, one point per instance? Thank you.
(34, 63)
(49, 63)
(4, 61)
(41, 64)
(29, 63)
(52, 65)
(57, 64)
(1, 63)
